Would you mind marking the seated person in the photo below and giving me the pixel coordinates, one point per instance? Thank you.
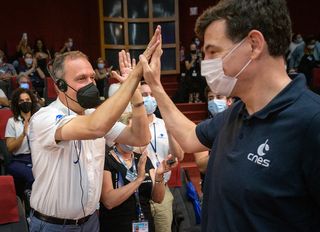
(7, 71)
(4, 102)
(31, 69)
(23, 106)
(25, 83)
(129, 182)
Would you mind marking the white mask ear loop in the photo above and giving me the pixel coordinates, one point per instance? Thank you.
(234, 48)
(244, 67)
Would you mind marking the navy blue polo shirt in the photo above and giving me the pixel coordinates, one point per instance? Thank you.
(264, 170)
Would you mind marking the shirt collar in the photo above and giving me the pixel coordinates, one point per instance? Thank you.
(285, 98)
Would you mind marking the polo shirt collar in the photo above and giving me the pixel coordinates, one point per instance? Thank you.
(286, 97)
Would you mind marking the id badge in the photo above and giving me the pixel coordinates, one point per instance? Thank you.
(140, 226)
(130, 176)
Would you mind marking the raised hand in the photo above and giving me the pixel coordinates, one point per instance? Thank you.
(152, 71)
(165, 167)
(142, 166)
(126, 66)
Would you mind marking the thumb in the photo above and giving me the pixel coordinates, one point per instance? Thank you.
(117, 76)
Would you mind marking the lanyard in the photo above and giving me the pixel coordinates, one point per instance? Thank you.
(154, 147)
(136, 193)
(122, 160)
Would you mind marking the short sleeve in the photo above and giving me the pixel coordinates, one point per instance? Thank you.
(114, 132)
(44, 124)
(108, 162)
(311, 158)
(149, 164)
(207, 130)
(10, 130)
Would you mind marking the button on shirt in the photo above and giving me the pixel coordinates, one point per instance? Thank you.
(59, 168)
(263, 173)
(160, 142)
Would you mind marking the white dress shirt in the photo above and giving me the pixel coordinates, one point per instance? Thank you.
(61, 170)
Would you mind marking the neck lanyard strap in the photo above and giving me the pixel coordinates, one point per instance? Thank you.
(122, 161)
(138, 205)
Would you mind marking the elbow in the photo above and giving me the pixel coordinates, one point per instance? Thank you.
(158, 199)
(108, 205)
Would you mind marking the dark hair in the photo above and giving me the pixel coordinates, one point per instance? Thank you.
(15, 102)
(270, 17)
(36, 49)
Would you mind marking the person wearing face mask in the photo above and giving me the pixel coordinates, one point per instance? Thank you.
(102, 73)
(130, 181)
(68, 140)
(263, 173)
(193, 75)
(31, 69)
(7, 71)
(216, 103)
(23, 106)
(161, 145)
(308, 61)
(68, 46)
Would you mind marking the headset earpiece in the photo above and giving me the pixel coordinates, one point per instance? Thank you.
(62, 85)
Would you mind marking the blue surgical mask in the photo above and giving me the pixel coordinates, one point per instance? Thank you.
(126, 148)
(212, 107)
(150, 104)
(217, 105)
(221, 104)
(28, 61)
(24, 85)
(100, 66)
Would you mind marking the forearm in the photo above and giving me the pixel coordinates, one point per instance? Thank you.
(177, 123)
(41, 74)
(14, 144)
(159, 189)
(4, 101)
(174, 147)
(117, 196)
(140, 124)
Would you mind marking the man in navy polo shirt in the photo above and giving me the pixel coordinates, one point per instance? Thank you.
(264, 171)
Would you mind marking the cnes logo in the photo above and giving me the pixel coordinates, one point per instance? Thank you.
(261, 151)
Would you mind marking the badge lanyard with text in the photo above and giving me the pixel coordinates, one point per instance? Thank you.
(141, 225)
(154, 147)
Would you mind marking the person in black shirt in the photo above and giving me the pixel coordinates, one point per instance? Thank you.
(263, 172)
(129, 183)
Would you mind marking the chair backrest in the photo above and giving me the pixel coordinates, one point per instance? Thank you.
(5, 114)
(316, 78)
(50, 93)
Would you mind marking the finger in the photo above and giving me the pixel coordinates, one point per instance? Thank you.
(144, 63)
(150, 50)
(128, 60)
(133, 63)
(125, 61)
(155, 36)
(121, 62)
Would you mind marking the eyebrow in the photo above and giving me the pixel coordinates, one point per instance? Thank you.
(211, 46)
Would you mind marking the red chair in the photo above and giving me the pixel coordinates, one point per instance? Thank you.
(5, 114)
(49, 93)
(316, 79)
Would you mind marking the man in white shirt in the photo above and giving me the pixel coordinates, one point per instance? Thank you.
(68, 143)
(161, 145)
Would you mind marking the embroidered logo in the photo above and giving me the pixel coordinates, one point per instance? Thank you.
(59, 117)
(261, 151)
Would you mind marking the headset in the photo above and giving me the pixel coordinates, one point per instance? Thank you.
(60, 83)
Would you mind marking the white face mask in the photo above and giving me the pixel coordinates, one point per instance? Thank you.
(217, 80)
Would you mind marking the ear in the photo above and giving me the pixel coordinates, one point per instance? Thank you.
(258, 43)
